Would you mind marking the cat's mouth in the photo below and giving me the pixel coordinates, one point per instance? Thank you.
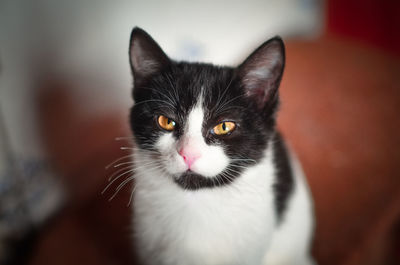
(192, 181)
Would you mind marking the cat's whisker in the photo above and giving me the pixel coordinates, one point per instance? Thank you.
(239, 166)
(120, 186)
(223, 94)
(150, 146)
(119, 171)
(244, 157)
(170, 99)
(117, 160)
(115, 179)
(173, 87)
(225, 177)
(243, 160)
(230, 179)
(229, 176)
(215, 181)
(143, 151)
(131, 196)
(123, 183)
(147, 167)
(222, 106)
(232, 107)
(124, 138)
(155, 100)
(126, 148)
(169, 78)
(124, 163)
(232, 170)
(219, 181)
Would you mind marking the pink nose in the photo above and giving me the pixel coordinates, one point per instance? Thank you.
(189, 155)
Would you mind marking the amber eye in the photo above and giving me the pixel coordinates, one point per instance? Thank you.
(224, 128)
(166, 123)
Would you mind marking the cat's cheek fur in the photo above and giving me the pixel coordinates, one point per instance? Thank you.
(213, 162)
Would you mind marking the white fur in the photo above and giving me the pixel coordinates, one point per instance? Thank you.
(232, 224)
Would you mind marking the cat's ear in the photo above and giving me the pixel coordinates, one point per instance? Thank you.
(146, 57)
(261, 73)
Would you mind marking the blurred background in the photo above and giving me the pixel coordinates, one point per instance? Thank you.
(65, 94)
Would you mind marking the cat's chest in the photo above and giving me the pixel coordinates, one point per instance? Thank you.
(215, 225)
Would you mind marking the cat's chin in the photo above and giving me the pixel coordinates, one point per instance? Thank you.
(190, 180)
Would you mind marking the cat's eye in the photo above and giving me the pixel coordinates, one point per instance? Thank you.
(166, 123)
(224, 128)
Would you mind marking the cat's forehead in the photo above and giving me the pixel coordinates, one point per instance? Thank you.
(188, 84)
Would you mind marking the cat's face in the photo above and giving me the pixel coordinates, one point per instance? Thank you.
(203, 124)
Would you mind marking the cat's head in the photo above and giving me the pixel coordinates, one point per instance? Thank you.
(202, 125)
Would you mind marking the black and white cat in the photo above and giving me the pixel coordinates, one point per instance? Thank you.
(215, 184)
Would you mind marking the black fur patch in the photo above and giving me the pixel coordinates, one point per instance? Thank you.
(284, 183)
(193, 181)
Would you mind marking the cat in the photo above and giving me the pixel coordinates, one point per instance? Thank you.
(214, 182)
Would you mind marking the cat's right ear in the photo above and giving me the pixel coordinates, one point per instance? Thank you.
(261, 73)
(145, 56)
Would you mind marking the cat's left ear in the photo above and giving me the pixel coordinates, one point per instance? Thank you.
(145, 56)
(261, 73)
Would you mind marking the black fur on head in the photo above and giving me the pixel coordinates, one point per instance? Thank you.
(247, 95)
